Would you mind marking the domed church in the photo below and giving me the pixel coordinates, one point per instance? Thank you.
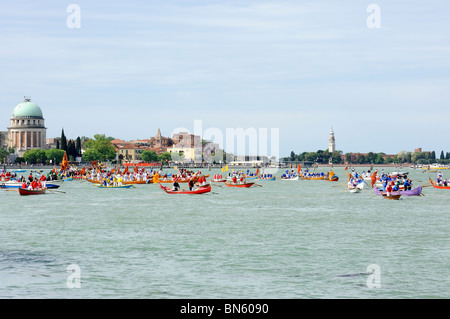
(27, 130)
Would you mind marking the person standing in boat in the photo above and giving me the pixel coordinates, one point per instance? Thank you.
(176, 186)
(191, 184)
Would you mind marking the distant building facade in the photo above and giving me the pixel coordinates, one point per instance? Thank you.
(27, 128)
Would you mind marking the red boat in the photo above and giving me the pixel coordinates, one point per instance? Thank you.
(435, 185)
(24, 191)
(246, 185)
(199, 190)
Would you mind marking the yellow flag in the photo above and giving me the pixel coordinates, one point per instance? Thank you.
(224, 169)
(175, 167)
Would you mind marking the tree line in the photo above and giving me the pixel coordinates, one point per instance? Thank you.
(337, 157)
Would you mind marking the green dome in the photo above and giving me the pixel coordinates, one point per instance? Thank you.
(27, 109)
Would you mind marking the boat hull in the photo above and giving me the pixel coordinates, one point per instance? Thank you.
(199, 190)
(123, 186)
(437, 186)
(392, 197)
(23, 191)
(246, 185)
(413, 192)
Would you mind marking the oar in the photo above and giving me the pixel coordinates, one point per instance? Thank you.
(344, 190)
(257, 185)
(427, 186)
(51, 190)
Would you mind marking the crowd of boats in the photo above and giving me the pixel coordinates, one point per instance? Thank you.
(389, 185)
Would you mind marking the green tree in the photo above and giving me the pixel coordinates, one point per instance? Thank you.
(35, 156)
(149, 156)
(165, 157)
(99, 148)
(379, 159)
(292, 156)
(442, 157)
(55, 155)
(3, 154)
(63, 141)
(78, 147)
(348, 157)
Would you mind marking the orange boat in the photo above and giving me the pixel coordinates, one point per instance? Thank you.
(435, 185)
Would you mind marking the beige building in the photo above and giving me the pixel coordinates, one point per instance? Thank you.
(27, 128)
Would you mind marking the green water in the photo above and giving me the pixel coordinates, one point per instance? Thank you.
(286, 239)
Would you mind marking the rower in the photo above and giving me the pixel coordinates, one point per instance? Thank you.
(176, 186)
(191, 184)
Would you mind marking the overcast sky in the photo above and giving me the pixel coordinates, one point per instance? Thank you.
(302, 67)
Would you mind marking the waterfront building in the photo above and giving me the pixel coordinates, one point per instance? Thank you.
(27, 128)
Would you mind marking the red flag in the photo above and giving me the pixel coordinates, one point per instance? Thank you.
(299, 168)
(65, 162)
(257, 171)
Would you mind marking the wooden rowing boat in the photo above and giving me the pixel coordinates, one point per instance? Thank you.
(149, 181)
(199, 190)
(244, 185)
(435, 185)
(296, 178)
(412, 192)
(24, 191)
(122, 186)
(393, 197)
(267, 179)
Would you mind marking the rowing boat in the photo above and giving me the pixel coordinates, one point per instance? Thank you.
(289, 178)
(393, 197)
(412, 192)
(122, 186)
(24, 191)
(268, 179)
(435, 185)
(18, 184)
(244, 185)
(149, 181)
(199, 190)
(218, 180)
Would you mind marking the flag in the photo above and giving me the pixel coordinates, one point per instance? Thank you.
(299, 168)
(346, 167)
(175, 167)
(224, 169)
(257, 171)
(65, 162)
(83, 170)
(125, 170)
(135, 169)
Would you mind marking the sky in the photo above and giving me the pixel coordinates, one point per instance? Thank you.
(379, 77)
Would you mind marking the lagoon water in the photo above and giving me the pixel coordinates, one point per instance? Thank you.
(284, 240)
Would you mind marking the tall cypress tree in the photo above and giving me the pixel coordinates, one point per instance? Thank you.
(63, 141)
(78, 146)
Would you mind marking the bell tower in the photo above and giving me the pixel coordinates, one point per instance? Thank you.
(331, 143)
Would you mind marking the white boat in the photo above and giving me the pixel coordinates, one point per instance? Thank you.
(296, 178)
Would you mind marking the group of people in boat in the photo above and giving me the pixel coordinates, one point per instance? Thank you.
(440, 181)
(35, 183)
(289, 174)
(200, 181)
